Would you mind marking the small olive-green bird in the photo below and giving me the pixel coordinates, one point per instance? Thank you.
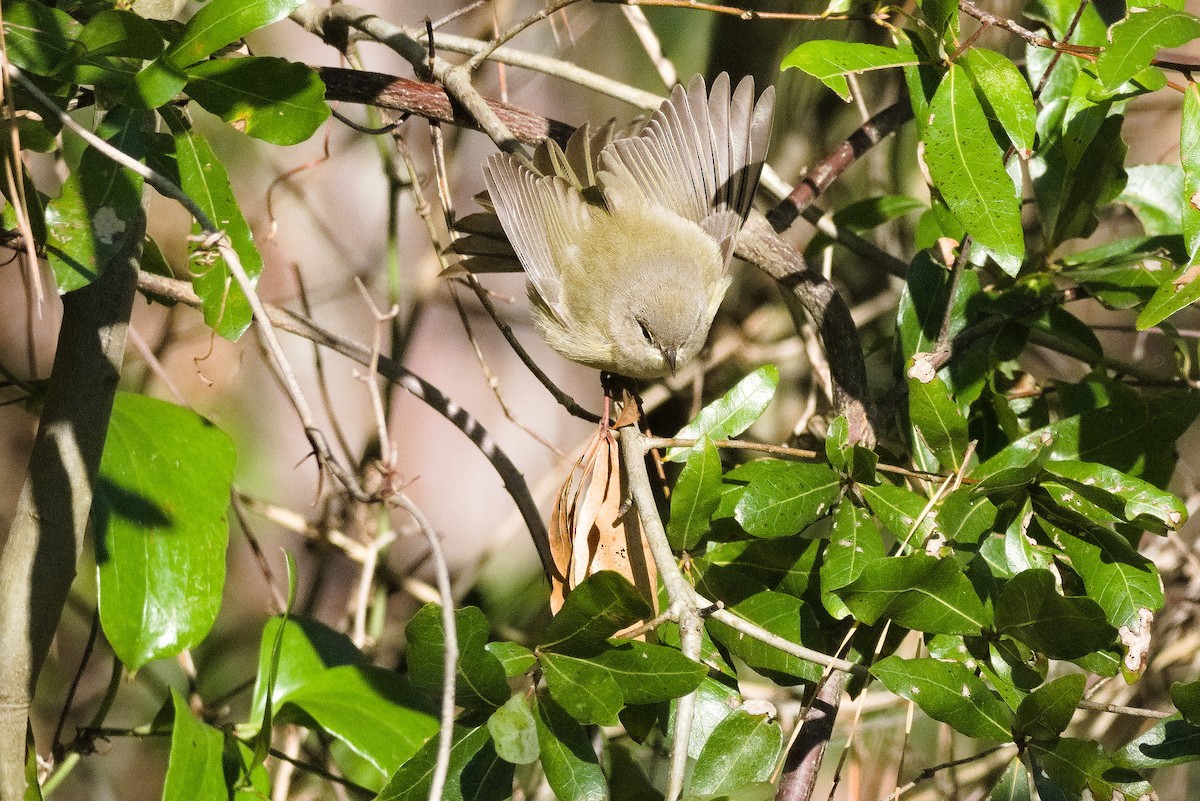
(626, 241)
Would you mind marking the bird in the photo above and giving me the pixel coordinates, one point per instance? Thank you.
(625, 239)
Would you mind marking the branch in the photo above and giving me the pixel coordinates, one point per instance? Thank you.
(807, 752)
(51, 518)
(298, 324)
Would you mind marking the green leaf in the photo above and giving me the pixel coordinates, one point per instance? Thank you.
(195, 768)
(1136, 39)
(587, 692)
(278, 101)
(966, 166)
(1073, 766)
(203, 178)
(1168, 742)
(949, 692)
(1124, 583)
(91, 219)
(216, 24)
(1030, 609)
(1005, 93)
(570, 763)
(899, 510)
(377, 713)
(117, 33)
(783, 564)
(937, 421)
(595, 610)
(476, 772)
(307, 649)
(1189, 159)
(860, 216)
(783, 615)
(648, 673)
(514, 731)
(1013, 784)
(715, 701)
(831, 61)
(733, 412)
(1154, 192)
(517, 660)
(480, 678)
(783, 498)
(918, 592)
(159, 521)
(1127, 273)
(1063, 332)
(696, 496)
(854, 543)
(1186, 697)
(1045, 713)
(37, 37)
(964, 517)
(1123, 496)
(743, 749)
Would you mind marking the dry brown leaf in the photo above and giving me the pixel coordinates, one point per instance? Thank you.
(590, 530)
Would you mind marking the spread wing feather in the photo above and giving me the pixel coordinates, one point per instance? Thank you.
(543, 217)
(700, 153)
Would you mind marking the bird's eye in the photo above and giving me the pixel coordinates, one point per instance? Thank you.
(645, 331)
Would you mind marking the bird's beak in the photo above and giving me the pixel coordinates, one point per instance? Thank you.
(670, 354)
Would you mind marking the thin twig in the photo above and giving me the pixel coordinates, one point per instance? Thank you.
(449, 644)
(472, 64)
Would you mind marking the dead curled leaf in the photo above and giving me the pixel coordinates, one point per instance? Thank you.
(590, 530)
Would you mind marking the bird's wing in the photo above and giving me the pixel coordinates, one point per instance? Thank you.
(700, 152)
(543, 217)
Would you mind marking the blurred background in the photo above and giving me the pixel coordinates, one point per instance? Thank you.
(343, 208)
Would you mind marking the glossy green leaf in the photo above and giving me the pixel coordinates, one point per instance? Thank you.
(203, 178)
(480, 679)
(966, 166)
(861, 216)
(1124, 583)
(937, 421)
(918, 592)
(476, 772)
(1134, 271)
(854, 543)
(783, 564)
(588, 692)
(1063, 332)
(949, 692)
(733, 412)
(782, 498)
(714, 702)
(513, 729)
(1186, 697)
(780, 614)
(517, 660)
(1080, 768)
(1013, 784)
(830, 61)
(939, 14)
(648, 673)
(598, 608)
(1171, 296)
(1030, 609)
(1189, 160)
(1168, 742)
(1005, 92)
(695, 497)
(159, 521)
(900, 510)
(376, 712)
(278, 101)
(1136, 39)
(1045, 713)
(742, 750)
(195, 768)
(118, 33)
(1154, 192)
(307, 649)
(38, 37)
(91, 219)
(213, 26)
(570, 763)
(964, 516)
